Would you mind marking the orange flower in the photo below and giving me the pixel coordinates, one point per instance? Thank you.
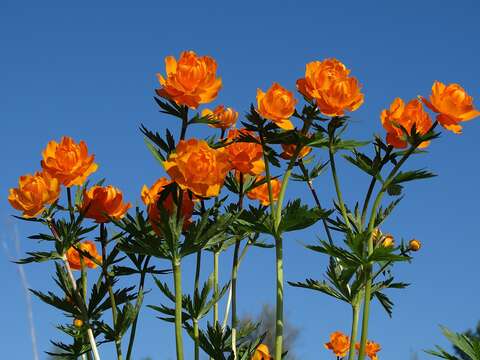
(261, 353)
(401, 115)
(102, 203)
(329, 84)
(151, 196)
(33, 193)
(68, 161)
(371, 349)
(339, 343)
(289, 150)
(225, 117)
(277, 105)
(453, 104)
(245, 157)
(197, 167)
(261, 194)
(73, 256)
(190, 81)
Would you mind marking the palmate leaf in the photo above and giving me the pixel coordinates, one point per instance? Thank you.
(383, 213)
(296, 216)
(340, 144)
(469, 345)
(406, 176)
(40, 256)
(321, 286)
(346, 258)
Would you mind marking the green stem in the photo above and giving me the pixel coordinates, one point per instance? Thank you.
(337, 186)
(177, 279)
(137, 304)
(197, 271)
(216, 256)
(196, 338)
(108, 282)
(279, 300)
(353, 333)
(83, 277)
(371, 225)
(71, 209)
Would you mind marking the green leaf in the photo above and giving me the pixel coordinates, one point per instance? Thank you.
(296, 216)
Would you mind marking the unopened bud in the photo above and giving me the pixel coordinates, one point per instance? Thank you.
(388, 241)
(414, 245)
(78, 323)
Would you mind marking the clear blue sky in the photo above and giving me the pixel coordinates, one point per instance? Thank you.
(73, 68)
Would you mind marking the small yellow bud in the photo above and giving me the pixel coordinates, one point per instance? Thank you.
(414, 245)
(388, 241)
(78, 323)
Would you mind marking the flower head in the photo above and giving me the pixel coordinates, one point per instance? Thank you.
(102, 203)
(190, 81)
(277, 105)
(339, 343)
(261, 194)
(414, 245)
(224, 117)
(75, 259)
(245, 157)
(407, 116)
(33, 193)
(371, 349)
(328, 83)
(261, 353)
(197, 167)
(151, 197)
(453, 105)
(289, 150)
(68, 161)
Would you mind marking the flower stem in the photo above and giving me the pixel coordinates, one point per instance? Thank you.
(71, 209)
(108, 282)
(341, 203)
(177, 279)
(196, 345)
(216, 256)
(196, 339)
(353, 333)
(140, 291)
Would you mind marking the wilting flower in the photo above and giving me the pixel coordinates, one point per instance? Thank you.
(261, 194)
(371, 349)
(289, 150)
(190, 81)
(261, 353)
(75, 259)
(277, 105)
(68, 161)
(151, 196)
(406, 116)
(224, 117)
(33, 193)
(414, 245)
(245, 157)
(328, 83)
(102, 203)
(339, 343)
(453, 105)
(197, 167)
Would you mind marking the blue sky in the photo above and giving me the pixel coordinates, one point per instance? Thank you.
(88, 71)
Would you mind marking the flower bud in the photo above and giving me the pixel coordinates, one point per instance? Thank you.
(78, 323)
(388, 241)
(414, 245)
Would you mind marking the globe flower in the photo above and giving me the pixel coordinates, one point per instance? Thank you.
(245, 157)
(224, 117)
(261, 353)
(328, 84)
(371, 349)
(102, 203)
(68, 161)
(75, 259)
(261, 194)
(339, 343)
(151, 197)
(277, 105)
(388, 241)
(453, 105)
(289, 150)
(190, 81)
(197, 167)
(414, 245)
(33, 193)
(407, 116)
